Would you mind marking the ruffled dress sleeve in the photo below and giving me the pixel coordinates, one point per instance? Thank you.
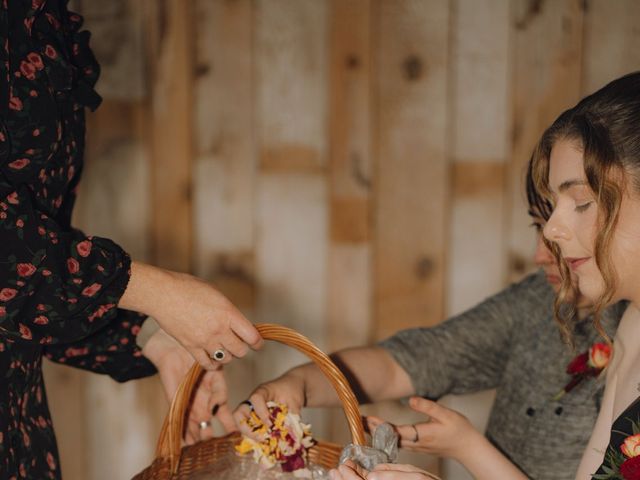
(58, 286)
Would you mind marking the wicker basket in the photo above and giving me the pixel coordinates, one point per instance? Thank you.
(173, 462)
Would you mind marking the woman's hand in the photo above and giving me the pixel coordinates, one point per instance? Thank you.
(210, 400)
(289, 389)
(347, 471)
(191, 311)
(446, 433)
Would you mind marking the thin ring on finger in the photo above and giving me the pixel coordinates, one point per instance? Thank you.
(416, 438)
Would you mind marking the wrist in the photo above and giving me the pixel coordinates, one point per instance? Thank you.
(148, 289)
(158, 346)
(297, 377)
(153, 351)
(470, 444)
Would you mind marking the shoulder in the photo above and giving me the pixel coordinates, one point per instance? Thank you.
(532, 290)
(534, 284)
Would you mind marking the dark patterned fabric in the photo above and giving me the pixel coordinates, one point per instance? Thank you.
(59, 288)
(622, 457)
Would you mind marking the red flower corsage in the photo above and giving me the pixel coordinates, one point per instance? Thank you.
(585, 365)
(623, 464)
(630, 468)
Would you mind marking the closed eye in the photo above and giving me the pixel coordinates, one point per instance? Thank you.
(583, 207)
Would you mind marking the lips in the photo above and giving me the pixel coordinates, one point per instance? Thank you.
(575, 263)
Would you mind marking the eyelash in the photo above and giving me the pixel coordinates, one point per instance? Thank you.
(583, 207)
(537, 226)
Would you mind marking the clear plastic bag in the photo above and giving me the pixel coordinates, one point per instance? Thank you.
(234, 467)
(384, 449)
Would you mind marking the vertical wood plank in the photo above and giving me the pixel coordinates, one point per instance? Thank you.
(350, 173)
(611, 41)
(411, 189)
(547, 63)
(480, 69)
(170, 121)
(480, 119)
(291, 88)
(291, 265)
(350, 297)
(124, 423)
(225, 162)
(292, 225)
(225, 166)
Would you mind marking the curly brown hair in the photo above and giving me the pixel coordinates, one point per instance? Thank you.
(606, 128)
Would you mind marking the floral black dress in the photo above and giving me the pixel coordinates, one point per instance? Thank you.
(622, 458)
(59, 288)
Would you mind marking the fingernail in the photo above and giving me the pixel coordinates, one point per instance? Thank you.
(215, 409)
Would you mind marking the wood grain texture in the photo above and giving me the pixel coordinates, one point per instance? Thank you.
(547, 57)
(411, 189)
(480, 116)
(291, 56)
(171, 50)
(291, 261)
(224, 179)
(350, 295)
(480, 119)
(291, 48)
(611, 40)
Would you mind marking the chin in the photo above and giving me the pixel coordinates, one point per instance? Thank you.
(591, 288)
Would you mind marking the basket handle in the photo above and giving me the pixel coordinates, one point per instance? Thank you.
(169, 441)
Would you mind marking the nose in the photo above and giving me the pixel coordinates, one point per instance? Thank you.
(555, 230)
(543, 255)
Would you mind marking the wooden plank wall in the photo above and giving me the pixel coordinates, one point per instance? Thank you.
(344, 167)
(478, 150)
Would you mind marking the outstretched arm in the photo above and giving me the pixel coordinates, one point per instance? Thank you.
(449, 434)
(372, 372)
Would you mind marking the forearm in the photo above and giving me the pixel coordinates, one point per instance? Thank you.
(486, 462)
(372, 372)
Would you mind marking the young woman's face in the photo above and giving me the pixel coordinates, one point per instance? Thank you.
(544, 259)
(573, 225)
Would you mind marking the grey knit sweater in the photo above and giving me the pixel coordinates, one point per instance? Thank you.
(511, 343)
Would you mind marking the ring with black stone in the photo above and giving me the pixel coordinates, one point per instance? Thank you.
(218, 355)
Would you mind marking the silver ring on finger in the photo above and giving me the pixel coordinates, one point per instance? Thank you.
(204, 424)
(219, 355)
(417, 437)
